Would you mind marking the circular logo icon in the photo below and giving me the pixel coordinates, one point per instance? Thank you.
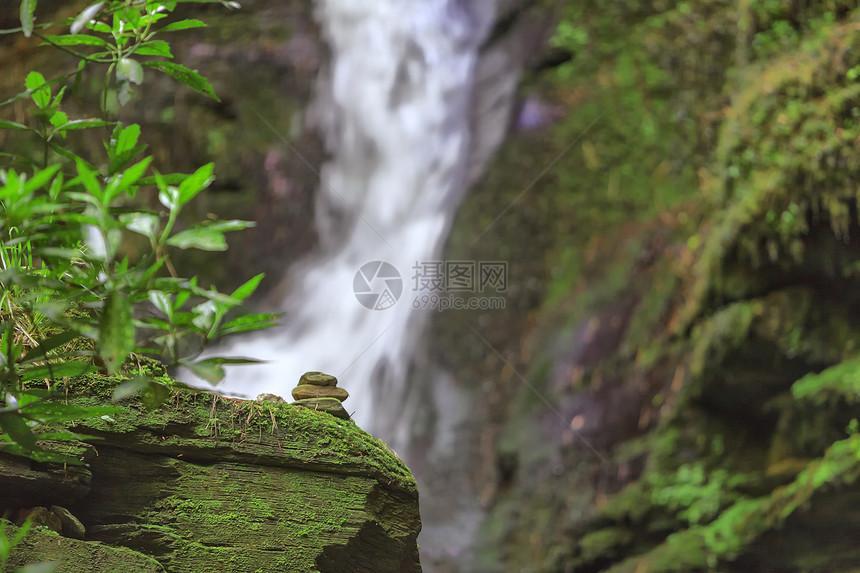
(377, 285)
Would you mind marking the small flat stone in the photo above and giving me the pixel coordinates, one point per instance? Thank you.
(270, 398)
(318, 379)
(311, 391)
(330, 405)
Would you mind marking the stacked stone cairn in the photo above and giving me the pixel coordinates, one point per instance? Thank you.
(319, 391)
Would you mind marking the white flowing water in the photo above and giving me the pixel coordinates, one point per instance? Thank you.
(394, 110)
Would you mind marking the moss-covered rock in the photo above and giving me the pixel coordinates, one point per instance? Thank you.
(74, 556)
(210, 484)
(682, 335)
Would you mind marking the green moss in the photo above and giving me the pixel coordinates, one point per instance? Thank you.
(840, 382)
(781, 161)
(312, 437)
(604, 543)
(305, 516)
(724, 539)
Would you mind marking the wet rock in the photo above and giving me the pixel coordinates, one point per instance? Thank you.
(41, 516)
(330, 405)
(304, 391)
(317, 391)
(317, 379)
(72, 526)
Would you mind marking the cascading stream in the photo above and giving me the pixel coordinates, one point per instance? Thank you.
(394, 110)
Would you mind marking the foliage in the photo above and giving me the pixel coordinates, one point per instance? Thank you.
(694, 492)
(760, 100)
(72, 301)
(743, 522)
(839, 382)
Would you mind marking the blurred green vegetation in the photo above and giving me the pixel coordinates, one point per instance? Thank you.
(699, 225)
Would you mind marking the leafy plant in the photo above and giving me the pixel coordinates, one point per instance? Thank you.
(71, 301)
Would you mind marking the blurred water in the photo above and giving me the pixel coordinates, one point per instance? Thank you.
(393, 106)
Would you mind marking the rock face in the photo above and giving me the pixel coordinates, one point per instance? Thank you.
(209, 484)
(673, 383)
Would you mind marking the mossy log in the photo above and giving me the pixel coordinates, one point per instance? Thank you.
(210, 484)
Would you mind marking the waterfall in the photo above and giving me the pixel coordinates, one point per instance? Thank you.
(393, 107)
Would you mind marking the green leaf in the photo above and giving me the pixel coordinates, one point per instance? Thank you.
(8, 445)
(55, 371)
(87, 175)
(21, 533)
(126, 137)
(145, 224)
(116, 331)
(130, 388)
(167, 178)
(39, 91)
(15, 425)
(185, 75)
(123, 146)
(13, 125)
(53, 412)
(153, 323)
(76, 40)
(208, 236)
(49, 344)
(211, 369)
(100, 27)
(199, 238)
(183, 25)
(249, 323)
(129, 70)
(66, 436)
(162, 301)
(84, 124)
(195, 183)
(9, 351)
(168, 195)
(154, 48)
(59, 118)
(40, 178)
(248, 288)
(229, 225)
(123, 181)
(207, 369)
(205, 315)
(154, 395)
(32, 395)
(28, 9)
